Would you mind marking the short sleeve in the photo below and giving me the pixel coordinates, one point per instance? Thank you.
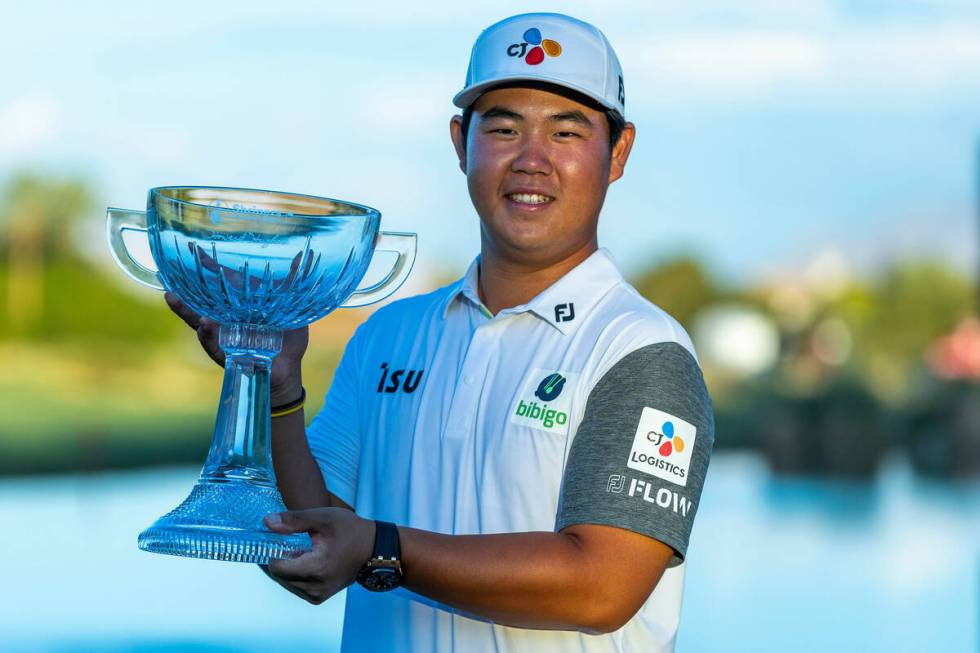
(334, 434)
(641, 452)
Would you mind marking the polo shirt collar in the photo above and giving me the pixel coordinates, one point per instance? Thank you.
(466, 288)
(564, 303)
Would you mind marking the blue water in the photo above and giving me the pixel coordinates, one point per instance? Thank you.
(774, 565)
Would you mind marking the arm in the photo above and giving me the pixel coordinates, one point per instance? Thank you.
(587, 577)
(624, 516)
(297, 474)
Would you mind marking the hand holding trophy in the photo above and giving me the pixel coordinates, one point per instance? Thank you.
(258, 263)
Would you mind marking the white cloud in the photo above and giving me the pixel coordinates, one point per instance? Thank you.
(27, 123)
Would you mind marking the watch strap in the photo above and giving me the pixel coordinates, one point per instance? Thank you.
(386, 541)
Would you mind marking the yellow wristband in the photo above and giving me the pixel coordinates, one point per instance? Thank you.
(289, 409)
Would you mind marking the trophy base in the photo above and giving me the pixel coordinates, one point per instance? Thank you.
(222, 520)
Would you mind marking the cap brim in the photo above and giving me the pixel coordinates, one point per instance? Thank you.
(468, 96)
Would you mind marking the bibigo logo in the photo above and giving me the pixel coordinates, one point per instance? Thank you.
(539, 47)
(665, 440)
(541, 403)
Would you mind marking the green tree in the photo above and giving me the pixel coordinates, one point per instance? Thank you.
(894, 319)
(681, 286)
(36, 217)
(49, 291)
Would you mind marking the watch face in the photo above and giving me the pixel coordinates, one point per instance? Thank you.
(382, 580)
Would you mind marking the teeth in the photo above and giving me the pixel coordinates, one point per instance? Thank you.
(530, 198)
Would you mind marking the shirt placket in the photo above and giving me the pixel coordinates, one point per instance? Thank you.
(469, 385)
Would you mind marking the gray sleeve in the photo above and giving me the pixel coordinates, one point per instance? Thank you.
(641, 452)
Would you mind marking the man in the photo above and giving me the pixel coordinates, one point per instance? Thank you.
(519, 455)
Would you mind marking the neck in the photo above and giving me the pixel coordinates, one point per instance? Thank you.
(505, 281)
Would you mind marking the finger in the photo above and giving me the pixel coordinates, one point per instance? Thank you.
(299, 589)
(294, 521)
(192, 319)
(308, 566)
(295, 571)
(207, 334)
(210, 263)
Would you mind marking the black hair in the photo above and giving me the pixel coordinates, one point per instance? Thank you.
(616, 122)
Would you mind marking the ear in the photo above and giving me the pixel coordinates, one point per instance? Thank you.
(621, 152)
(459, 141)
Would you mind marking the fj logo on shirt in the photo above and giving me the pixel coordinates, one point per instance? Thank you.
(395, 381)
(662, 446)
(541, 403)
(565, 312)
(615, 483)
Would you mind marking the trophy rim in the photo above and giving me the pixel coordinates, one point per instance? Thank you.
(155, 191)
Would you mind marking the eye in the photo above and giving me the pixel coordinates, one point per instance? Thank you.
(567, 134)
(503, 130)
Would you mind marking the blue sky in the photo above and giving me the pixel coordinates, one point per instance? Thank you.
(769, 132)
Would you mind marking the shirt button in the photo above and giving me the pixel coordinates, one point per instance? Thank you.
(469, 380)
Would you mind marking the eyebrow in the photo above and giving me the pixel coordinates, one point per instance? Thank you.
(500, 112)
(575, 116)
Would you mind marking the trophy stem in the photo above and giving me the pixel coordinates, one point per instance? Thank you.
(241, 448)
(221, 519)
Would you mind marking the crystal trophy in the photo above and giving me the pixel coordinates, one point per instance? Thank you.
(258, 263)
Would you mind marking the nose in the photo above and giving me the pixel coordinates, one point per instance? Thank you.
(533, 157)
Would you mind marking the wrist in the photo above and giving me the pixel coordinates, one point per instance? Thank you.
(383, 570)
(365, 551)
(286, 392)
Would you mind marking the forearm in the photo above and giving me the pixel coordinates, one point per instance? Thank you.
(530, 580)
(297, 473)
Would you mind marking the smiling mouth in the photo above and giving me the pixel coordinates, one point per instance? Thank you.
(530, 198)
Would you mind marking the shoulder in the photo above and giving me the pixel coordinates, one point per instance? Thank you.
(406, 314)
(629, 324)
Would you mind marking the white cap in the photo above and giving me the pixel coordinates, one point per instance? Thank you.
(551, 48)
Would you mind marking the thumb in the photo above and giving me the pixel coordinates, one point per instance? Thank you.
(291, 521)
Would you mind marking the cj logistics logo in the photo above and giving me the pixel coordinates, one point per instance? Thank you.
(665, 440)
(662, 446)
(539, 47)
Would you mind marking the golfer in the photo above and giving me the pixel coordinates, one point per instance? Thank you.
(512, 462)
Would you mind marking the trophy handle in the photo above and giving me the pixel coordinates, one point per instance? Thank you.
(118, 221)
(402, 244)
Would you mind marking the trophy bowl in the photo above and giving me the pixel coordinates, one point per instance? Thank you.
(257, 262)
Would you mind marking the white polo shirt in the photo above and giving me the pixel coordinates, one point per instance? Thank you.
(585, 405)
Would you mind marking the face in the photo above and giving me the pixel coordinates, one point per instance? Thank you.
(537, 166)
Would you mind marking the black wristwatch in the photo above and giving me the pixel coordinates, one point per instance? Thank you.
(383, 572)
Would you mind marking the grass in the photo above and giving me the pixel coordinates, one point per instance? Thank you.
(73, 407)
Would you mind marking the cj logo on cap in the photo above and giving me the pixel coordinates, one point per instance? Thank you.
(539, 47)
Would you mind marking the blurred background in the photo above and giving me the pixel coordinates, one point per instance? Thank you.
(802, 196)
